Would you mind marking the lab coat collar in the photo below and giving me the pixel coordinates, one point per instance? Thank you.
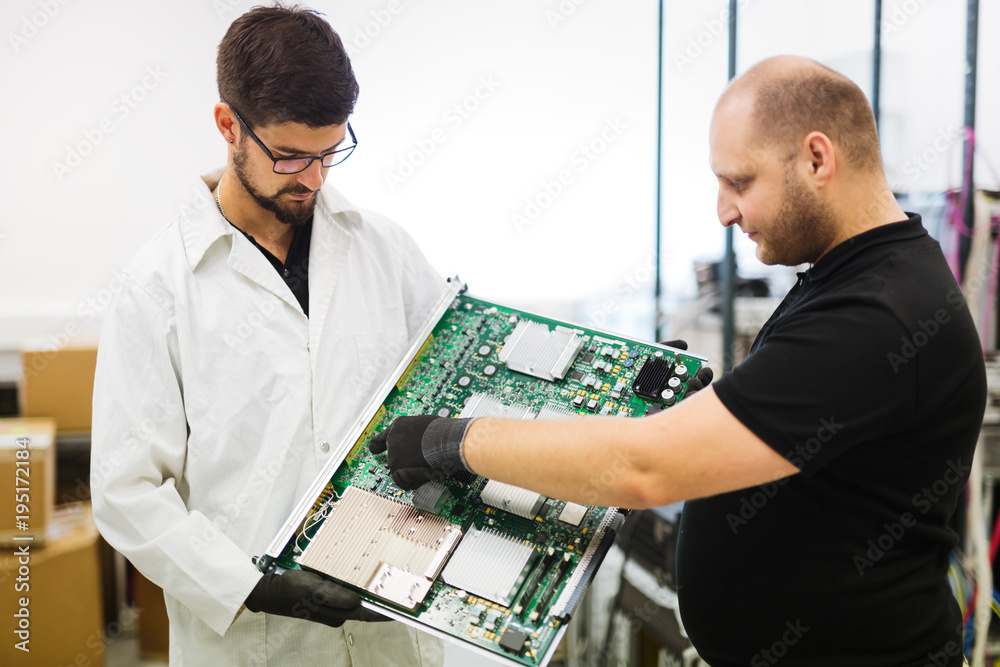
(333, 220)
(202, 225)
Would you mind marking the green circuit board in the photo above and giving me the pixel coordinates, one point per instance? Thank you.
(541, 552)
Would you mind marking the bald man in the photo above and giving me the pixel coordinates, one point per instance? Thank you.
(822, 472)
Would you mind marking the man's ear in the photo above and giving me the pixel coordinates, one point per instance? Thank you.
(225, 122)
(818, 153)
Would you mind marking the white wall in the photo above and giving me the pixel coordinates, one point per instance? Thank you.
(563, 69)
(554, 81)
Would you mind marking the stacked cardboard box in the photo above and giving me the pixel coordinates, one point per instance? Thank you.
(53, 594)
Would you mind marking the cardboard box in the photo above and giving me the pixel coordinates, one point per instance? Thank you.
(26, 471)
(59, 384)
(154, 628)
(63, 595)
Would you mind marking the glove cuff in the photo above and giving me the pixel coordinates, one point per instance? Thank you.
(441, 444)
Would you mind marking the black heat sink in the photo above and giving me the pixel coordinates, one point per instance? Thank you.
(652, 378)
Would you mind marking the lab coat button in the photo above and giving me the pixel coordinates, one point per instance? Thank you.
(325, 446)
(350, 640)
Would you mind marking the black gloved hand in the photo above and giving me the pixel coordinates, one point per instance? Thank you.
(421, 448)
(308, 596)
(702, 378)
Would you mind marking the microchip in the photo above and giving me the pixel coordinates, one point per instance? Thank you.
(543, 511)
(541, 538)
(587, 358)
(457, 509)
(577, 375)
(513, 640)
(573, 514)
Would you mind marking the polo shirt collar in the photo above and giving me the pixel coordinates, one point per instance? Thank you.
(202, 225)
(910, 228)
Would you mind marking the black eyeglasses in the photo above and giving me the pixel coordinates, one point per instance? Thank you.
(294, 165)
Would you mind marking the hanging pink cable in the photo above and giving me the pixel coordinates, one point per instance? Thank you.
(995, 542)
(957, 217)
(989, 304)
(952, 255)
(970, 139)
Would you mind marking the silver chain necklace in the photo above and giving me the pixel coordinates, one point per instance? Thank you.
(219, 202)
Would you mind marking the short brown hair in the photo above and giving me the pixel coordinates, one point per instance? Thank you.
(286, 64)
(791, 102)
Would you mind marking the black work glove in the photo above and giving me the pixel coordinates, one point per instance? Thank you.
(308, 596)
(421, 448)
(702, 378)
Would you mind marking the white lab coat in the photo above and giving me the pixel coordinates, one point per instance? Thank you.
(216, 403)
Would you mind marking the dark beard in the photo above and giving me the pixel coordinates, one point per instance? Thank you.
(804, 229)
(295, 215)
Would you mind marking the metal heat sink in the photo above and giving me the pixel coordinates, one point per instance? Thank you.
(381, 545)
(550, 411)
(513, 499)
(484, 405)
(489, 565)
(652, 378)
(534, 350)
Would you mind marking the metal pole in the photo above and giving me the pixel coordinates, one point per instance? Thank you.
(729, 261)
(659, 179)
(877, 65)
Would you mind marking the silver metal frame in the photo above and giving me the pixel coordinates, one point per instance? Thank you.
(298, 515)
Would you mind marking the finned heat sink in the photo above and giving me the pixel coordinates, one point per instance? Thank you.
(550, 411)
(484, 405)
(534, 350)
(381, 545)
(652, 378)
(489, 565)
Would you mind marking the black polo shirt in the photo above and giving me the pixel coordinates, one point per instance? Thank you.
(295, 270)
(869, 378)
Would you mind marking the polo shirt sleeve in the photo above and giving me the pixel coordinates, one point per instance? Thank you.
(824, 380)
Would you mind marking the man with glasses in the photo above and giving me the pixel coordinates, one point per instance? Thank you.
(246, 340)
